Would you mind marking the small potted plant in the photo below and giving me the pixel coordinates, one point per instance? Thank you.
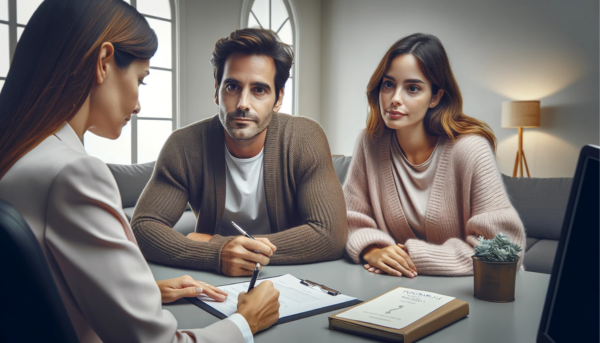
(495, 269)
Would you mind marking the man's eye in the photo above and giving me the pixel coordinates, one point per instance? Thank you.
(260, 90)
(232, 87)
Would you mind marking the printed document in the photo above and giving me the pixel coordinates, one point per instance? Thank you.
(398, 308)
(294, 297)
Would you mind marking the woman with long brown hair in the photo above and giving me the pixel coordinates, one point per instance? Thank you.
(423, 184)
(77, 67)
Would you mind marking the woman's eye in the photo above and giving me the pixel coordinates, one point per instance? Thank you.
(413, 88)
(388, 84)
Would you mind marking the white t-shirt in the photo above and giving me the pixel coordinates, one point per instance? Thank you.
(414, 183)
(245, 201)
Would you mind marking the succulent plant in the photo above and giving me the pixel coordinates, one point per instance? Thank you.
(498, 249)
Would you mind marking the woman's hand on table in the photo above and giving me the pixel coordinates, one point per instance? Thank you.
(393, 260)
(186, 286)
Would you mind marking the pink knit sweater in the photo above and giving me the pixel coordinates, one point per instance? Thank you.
(467, 200)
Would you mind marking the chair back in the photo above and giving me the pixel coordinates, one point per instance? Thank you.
(33, 309)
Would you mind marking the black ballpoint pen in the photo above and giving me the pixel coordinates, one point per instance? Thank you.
(254, 277)
(257, 269)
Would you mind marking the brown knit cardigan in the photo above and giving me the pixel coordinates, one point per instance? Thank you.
(305, 202)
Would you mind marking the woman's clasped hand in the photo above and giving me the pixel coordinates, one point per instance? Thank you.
(393, 260)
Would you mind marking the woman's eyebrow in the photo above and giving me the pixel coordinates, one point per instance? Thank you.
(414, 81)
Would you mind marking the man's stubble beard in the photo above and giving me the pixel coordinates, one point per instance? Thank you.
(245, 136)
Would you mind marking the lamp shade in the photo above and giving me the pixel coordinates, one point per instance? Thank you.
(524, 114)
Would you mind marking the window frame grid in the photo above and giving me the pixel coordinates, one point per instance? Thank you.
(174, 79)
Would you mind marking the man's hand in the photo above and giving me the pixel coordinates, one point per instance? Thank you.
(200, 237)
(186, 286)
(238, 256)
(393, 259)
(260, 307)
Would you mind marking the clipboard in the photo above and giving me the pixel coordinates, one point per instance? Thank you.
(285, 319)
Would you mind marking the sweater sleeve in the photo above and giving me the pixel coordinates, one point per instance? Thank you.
(490, 213)
(161, 205)
(362, 227)
(320, 202)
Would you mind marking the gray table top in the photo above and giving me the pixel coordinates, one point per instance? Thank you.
(487, 322)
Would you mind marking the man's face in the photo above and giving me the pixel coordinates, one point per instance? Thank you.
(246, 96)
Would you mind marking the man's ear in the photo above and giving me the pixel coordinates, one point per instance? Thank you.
(436, 98)
(216, 93)
(105, 57)
(279, 102)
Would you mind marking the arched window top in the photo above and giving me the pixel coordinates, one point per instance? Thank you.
(279, 16)
(274, 15)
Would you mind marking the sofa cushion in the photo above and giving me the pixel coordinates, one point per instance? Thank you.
(341, 165)
(185, 225)
(131, 180)
(530, 242)
(541, 203)
(540, 257)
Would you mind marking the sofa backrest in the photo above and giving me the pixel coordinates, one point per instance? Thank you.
(131, 180)
(540, 202)
(341, 164)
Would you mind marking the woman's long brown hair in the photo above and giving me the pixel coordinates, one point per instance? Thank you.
(52, 70)
(447, 118)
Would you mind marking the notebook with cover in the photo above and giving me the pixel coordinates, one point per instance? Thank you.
(297, 300)
(450, 312)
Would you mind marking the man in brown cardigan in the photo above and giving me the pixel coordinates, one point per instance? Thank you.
(272, 173)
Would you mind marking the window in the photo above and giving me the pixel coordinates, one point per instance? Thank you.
(142, 139)
(14, 15)
(277, 15)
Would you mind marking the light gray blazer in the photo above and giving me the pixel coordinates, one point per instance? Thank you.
(71, 202)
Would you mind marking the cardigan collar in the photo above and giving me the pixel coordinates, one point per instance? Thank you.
(394, 216)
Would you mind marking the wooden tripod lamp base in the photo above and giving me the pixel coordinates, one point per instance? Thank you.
(520, 157)
(521, 114)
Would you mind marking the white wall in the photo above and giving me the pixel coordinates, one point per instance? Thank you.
(499, 50)
(203, 22)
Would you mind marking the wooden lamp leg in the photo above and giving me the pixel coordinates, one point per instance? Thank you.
(520, 158)
(516, 164)
(526, 167)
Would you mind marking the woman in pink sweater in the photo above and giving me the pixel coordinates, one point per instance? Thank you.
(423, 184)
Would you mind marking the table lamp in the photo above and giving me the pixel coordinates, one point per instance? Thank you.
(520, 115)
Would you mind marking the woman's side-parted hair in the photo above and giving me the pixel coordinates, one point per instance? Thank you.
(254, 41)
(445, 119)
(53, 68)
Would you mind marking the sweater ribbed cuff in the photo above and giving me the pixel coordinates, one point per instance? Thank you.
(453, 258)
(216, 246)
(359, 239)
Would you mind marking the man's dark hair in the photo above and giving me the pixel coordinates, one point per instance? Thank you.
(254, 41)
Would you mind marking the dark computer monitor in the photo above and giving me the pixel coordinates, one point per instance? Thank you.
(571, 308)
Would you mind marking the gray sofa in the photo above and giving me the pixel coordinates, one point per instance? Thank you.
(541, 203)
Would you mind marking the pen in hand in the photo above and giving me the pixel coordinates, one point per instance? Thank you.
(257, 269)
(254, 277)
(237, 227)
